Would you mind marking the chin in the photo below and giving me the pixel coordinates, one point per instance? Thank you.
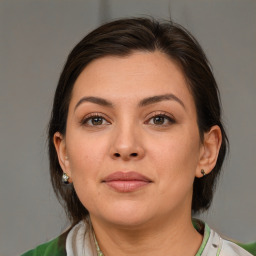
(128, 222)
(126, 217)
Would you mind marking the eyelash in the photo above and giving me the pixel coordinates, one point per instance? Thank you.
(170, 119)
(90, 117)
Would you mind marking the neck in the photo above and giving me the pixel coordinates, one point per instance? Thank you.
(145, 239)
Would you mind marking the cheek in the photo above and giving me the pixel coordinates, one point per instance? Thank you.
(176, 172)
(175, 158)
(86, 155)
(181, 149)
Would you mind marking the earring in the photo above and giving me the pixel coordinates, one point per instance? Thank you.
(65, 178)
(203, 172)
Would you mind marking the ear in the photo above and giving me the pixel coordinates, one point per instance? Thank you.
(60, 146)
(209, 151)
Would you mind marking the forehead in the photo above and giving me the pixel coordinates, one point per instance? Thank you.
(138, 75)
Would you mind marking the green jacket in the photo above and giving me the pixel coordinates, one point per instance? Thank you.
(56, 248)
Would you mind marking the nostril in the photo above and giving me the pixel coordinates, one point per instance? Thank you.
(124, 155)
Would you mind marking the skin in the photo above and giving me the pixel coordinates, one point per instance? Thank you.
(159, 140)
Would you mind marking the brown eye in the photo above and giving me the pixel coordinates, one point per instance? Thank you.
(161, 120)
(97, 120)
(158, 120)
(94, 120)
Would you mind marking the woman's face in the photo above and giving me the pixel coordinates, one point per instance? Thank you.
(132, 143)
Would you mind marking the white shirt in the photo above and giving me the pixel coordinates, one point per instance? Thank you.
(81, 243)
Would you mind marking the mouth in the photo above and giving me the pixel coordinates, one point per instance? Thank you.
(125, 182)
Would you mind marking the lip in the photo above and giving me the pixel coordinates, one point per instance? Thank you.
(125, 182)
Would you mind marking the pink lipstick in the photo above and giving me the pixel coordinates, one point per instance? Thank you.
(126, 181)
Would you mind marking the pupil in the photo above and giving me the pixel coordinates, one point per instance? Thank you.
(97, 120)
(159, 120)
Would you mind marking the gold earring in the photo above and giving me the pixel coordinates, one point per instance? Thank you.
(65, 178)
(203, 172)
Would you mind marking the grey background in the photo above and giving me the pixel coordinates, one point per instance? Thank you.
(35, 38)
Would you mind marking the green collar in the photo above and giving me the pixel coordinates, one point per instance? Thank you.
(203, 229)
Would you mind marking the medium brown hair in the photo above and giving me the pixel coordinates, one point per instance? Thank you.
(121, 38)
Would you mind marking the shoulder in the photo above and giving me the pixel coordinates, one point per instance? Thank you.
(235, 248)
(216, 245)
(54, 247)
(251, 247)
(227, 247)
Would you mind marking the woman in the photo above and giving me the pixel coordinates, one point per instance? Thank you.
(137, 139)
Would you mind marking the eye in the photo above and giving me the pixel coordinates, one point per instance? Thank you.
(161, 120)
(94, 120)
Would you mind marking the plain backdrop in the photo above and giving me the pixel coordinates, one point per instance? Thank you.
(35, 39)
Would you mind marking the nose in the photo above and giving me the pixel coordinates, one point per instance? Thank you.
(127, 144)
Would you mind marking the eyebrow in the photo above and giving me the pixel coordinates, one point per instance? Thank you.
(158, 98)
(95, 100)
(142, 103)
